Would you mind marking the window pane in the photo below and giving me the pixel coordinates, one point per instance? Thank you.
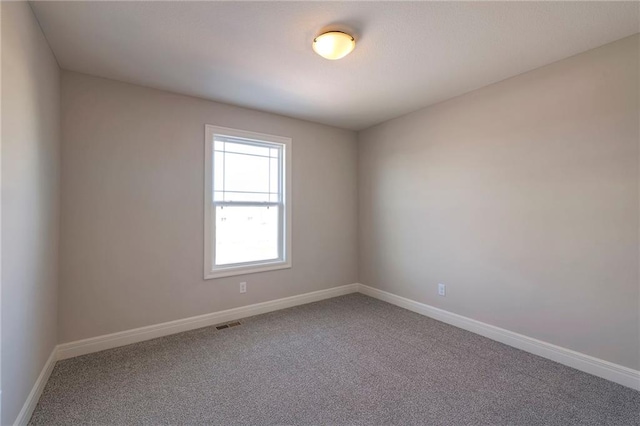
(274, 178)
(246, 234)
(250, 176)
(218, 173)
(246, 149)
(246, 173)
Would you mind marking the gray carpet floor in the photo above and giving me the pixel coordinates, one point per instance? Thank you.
(351, 360)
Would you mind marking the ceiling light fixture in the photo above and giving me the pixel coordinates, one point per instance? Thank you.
(334, 44)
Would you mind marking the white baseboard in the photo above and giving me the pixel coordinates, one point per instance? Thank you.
(598, 367)
(32, 400)
(108, 341)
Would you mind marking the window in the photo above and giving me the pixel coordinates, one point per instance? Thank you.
(247, 202)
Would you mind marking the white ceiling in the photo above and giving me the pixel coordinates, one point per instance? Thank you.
(258, 54)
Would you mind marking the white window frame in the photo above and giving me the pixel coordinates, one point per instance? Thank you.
(210, 269)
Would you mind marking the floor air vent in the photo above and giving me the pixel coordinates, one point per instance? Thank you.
(231, 324)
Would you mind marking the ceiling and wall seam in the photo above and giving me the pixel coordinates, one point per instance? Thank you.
(30, 3)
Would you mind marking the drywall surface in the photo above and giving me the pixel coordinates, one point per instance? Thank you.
(521, 197)
(30, 204)
(132, 208)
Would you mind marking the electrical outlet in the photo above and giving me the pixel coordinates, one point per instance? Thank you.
(243, 287)
(442, 289)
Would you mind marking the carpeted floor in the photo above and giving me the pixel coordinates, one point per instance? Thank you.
(349, 360)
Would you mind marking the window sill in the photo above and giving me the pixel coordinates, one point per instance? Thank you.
(243, 270)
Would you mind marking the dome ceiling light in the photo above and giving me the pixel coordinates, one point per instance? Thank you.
(334, 44)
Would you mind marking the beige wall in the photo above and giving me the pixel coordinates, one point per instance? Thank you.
(132, 208)
(30, 206)
(522, 197)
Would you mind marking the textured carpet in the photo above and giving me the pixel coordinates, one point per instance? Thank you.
(348, 360)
